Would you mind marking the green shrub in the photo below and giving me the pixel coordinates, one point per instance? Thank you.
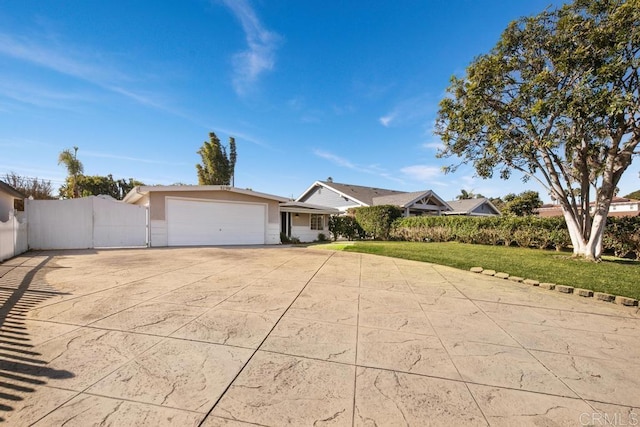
(621, 237)
(345, 226)
(288, 240)
(526, 231)
(377, 221)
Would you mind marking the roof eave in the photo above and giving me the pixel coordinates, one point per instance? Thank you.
(138, 192)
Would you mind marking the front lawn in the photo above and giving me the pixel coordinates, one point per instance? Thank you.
(612, 275)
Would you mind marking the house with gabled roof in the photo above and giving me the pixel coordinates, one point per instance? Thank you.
(480, 206)
(346, 196)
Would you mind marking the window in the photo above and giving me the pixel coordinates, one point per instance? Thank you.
(317, 222)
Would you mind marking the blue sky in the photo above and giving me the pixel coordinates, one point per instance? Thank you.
(309, 89)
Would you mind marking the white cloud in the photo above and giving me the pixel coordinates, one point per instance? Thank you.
(88, 66)
(421, 172)
(386, 120)
(410, 110)
(340, 161)
(261, 46)
(345, 163)
(128, 158)
(433, 145)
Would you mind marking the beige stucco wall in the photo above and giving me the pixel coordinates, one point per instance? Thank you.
(302, 220)
(301, 227)
(157, 203)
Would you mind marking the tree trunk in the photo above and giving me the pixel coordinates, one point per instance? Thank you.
(577, 240)
(590, 249)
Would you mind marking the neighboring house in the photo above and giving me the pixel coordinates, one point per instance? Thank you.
(10, 200)
(472, 207)
(305, 221)
(620, 206)
(345, 196)
(186, 215)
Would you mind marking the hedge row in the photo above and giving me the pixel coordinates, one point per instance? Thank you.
(622, 235)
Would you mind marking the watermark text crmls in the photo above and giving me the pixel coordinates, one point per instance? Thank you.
(616, 419)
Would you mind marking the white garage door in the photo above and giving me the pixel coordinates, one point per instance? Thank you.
(196, 222)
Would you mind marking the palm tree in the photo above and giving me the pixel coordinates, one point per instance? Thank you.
(464, 195)
(73, 165)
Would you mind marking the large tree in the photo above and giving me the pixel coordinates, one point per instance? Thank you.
(523, 204)
(96, 185)
(557, 99)
(74, 169)
(31, 187)
(217, 167)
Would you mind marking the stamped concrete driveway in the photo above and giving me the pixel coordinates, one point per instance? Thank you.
(276, 336)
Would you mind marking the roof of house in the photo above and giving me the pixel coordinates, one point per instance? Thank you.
(555, 209)
(140, 191)
(361, 194)
(371, 196)
(11, 191)
(466, 206)
(405, 200)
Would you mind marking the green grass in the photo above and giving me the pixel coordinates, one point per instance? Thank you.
(612, 275)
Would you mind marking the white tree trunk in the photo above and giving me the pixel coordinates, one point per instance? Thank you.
(591, 249)
(577, 240)
(594, 246)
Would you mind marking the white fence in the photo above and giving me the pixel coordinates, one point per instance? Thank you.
(89, 222)
(13, 236)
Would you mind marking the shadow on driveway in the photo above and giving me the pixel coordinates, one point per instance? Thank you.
(21, 369)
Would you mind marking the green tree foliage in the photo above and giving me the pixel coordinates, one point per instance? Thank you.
(523, 204)
(39, 189)
(376, 221)
(465, 195)
(558, 100)
(217, 167)
(74, 169)
(96, 185)
(345, 226)
(633, 195)
(497, 202)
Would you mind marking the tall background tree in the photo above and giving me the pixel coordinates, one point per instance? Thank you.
(217, 168)
(39, 189)
(557, 99)
(97, 185)
(523, 204)
(79, 185)
(74, 169)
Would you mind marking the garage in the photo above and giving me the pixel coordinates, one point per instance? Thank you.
(208, 215)
(204, 222)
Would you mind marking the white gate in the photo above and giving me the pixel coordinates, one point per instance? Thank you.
(89, 222)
